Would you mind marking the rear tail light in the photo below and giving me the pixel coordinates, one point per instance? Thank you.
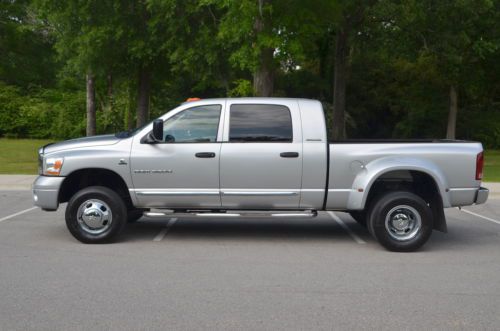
(479, 166)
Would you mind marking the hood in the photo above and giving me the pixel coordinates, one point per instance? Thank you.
(102, 140)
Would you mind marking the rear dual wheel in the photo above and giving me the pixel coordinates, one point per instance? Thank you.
(400, 221)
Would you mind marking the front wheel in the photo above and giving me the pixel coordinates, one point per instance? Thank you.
(400, 221)
(96, 214)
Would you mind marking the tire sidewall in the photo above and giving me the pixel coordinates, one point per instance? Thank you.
(111, 198)
(382, 207)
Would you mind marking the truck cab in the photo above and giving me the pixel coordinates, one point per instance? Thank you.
(228, 154)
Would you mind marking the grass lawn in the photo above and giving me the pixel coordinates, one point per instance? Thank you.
(492, 166)
(19, 156)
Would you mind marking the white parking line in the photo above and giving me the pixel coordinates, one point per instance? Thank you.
(17, 214)
(346, 228)
(480, 216)
(164, 231)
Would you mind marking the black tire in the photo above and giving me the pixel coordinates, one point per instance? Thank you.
(359, 216)
(104, 206)
(389, 215)
(134, 215)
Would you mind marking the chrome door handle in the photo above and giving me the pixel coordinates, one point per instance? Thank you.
(205, 155)
(289, 154)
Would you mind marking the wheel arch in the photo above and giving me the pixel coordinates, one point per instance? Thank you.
(421, 177)
(86, 177)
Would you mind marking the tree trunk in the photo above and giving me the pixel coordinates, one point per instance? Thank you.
(339, 84)
(128, 117)
(91, 107)
(452, 115)
(110, 93)
(144, 91)
(263, 77)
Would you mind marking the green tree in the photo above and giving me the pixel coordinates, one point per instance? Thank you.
(26, 51)
(263, 37)
(86, 38)
(346, 26)
(453, 37)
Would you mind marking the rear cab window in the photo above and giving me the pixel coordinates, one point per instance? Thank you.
(260, 123)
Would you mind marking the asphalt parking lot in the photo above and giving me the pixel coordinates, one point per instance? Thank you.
(256, 274)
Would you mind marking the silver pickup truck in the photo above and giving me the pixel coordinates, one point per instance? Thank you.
(252, 157)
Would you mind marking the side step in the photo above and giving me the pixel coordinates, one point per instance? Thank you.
(232, 213)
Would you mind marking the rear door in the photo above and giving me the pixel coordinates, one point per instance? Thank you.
(261, 155)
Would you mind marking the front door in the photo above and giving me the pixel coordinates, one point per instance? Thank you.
(183, 170)
(261, 156)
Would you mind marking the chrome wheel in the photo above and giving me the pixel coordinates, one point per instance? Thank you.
(403, 222)
(94, 216)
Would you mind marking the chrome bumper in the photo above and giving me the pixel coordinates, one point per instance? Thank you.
(46, 192)
(481, 195)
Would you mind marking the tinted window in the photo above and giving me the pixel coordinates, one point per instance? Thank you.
(260, 123)
(197, 124)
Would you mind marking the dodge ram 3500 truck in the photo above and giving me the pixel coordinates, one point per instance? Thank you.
(252, 157)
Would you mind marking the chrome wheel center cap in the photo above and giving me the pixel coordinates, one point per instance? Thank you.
(403, 222)
(400, 222)
(93, 217)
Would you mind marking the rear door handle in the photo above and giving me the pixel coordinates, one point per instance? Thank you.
(205, 155)
(289, 154)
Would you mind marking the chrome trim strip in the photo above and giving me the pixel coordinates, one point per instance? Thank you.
(260, 193)
(173, 193)
(341, 190)
(464, 189)
(140, 192)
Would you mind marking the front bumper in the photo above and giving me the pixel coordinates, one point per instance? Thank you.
(481, 195)
(46, 192)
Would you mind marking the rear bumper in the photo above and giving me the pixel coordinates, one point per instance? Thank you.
(46, 192)
(481, 195)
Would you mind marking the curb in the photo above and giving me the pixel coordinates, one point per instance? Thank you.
(16, 182)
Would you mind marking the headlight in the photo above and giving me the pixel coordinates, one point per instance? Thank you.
(53, 166)
(40, 163)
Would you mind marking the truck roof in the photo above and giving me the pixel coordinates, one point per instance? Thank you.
(252, 99)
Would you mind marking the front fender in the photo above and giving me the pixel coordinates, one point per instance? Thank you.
(363, 182)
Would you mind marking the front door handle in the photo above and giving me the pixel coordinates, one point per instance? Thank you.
(289, 154)
(205, 155)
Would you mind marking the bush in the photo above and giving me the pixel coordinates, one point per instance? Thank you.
(41, 113)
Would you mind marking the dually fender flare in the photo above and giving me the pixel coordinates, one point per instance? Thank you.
(376, 168)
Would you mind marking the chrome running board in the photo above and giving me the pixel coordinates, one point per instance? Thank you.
(232, 213)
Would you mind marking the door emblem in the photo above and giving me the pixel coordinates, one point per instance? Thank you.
(158, 171)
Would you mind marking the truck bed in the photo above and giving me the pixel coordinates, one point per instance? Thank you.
(355, 164)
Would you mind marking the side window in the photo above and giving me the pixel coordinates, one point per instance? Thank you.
(260, 123)
(198, 124)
